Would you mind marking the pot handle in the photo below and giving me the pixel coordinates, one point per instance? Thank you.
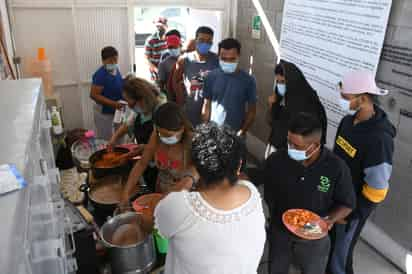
(84, 188)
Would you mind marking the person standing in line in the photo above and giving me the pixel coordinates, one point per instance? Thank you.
(155, 46)
(308, 176)
(106, 91)
(292, 93)
(364, 140)
(166, 66)
(192, 68)
(230, 92)
(168, 52)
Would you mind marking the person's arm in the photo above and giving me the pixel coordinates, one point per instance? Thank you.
(148, 54)
(344, 196)
(120, 132)
(337, 215)
(137, 171)
(162, 76)
(271, 101)
(251, 108)
(178, 79)
(96, 95)
(206, 110)
(377, 167)
(207, 94)
(250, 118)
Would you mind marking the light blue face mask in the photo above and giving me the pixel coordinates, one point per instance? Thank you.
(345, 105)
(228, 67)
(299, 155)
(172, 140)
(281, 89)
(174, 52)
(112, 68)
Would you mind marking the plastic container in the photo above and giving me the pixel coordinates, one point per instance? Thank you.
(119, 115)
(41, 68)
(56, 121)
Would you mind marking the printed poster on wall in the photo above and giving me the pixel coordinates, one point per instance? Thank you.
(327, 38)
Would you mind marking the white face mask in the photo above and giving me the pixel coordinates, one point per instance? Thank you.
(345, 105)
(281, 89)
(172, 140)
(112, 68)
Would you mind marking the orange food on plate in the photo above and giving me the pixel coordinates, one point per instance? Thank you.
(300, 217)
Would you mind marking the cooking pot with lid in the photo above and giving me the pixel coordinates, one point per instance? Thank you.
(131, 249)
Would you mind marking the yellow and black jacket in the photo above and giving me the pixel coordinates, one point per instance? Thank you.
(368, 148)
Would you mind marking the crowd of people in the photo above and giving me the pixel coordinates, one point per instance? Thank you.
(192, 120)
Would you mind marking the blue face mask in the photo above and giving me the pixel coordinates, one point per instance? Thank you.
(174, 52)
(281, 89)
(112, 68)
(203, 48)
(228, 67)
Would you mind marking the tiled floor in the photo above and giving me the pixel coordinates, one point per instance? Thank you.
(367, 261)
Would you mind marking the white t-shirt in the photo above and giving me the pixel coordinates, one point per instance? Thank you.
(206, 240)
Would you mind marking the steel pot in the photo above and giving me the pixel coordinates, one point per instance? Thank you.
(102, 208)
(135, 258)
(121, 168)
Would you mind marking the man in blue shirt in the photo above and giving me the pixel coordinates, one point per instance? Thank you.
(106, 91)
(229, 92)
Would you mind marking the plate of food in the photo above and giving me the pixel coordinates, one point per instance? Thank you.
(305, 224)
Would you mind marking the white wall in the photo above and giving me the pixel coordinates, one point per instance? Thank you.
(74, 31)
(5, 23)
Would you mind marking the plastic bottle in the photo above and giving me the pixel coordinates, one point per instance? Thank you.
(56, 121)
(41, 67)
(119, 115)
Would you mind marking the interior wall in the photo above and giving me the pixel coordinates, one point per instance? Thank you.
(394, 73)
(5, 22)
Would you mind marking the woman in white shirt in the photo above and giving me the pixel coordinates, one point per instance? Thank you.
(218, 229)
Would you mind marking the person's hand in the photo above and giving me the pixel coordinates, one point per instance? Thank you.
(110, 146)
(123, 205)
(118, 105)
(272, 99)
(329, 222)
(154, 68)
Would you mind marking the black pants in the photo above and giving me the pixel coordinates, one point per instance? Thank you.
(345, 237)
(310, 256)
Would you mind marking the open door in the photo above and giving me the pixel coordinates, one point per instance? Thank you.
(185, 18)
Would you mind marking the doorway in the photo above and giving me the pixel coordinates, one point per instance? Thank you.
(184, 19)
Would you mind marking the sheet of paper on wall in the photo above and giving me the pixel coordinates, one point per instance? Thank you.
(10, 179)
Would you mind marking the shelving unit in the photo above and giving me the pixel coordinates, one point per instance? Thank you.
(35, 231)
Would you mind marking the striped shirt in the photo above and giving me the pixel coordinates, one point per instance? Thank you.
(154, 48)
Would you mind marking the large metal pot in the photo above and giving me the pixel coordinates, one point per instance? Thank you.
(120, 168)
(96, 194)
(135, 258)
